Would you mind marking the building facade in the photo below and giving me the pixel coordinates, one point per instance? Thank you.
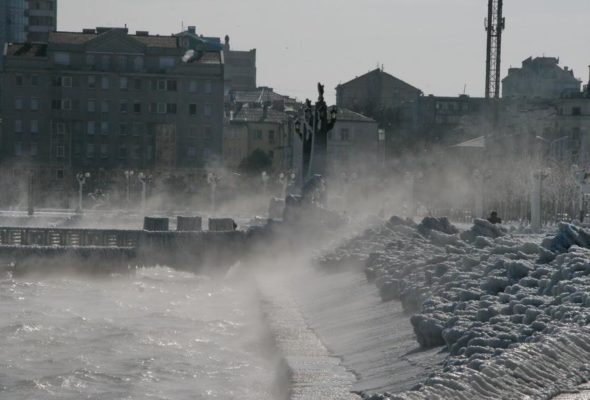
(354, 145)
(540, 77)
(240, 68)
(105, 99)
(259, 128)
(374, 93)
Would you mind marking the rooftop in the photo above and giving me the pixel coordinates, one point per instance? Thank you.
(257, 114)
(344, 114)
(259, 95)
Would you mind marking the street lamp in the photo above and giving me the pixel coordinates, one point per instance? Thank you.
(143, 178)
(128, 174)
(265, 179)
(212, 180)
(81, 178)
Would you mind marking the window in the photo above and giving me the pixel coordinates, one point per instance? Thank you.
(161, 84)
(18, 126)
(161, 108)
(576, 111)
(34, 80)
(191, 151)
(34, 149)
(66, 104)
(344, 134)
(192, 87)
(104, 82)
(207, 110)
(123, 106)
(66, 81)
(137, 128)
(271, 154)
(61, 58)
(90, 60)
(56, 104)
(166, 62)
(137, 84)
(138, 63)
(91, 106)
(60, 128)
(91, 127)
(149, 151)
(192, 109)
(59, 174)
(34, 104)
(171, 85)
(122, 151)
(18, 103)
(271, 137)
(34, 126)
(208, 87)
(92, 81)
(171, 108)
(19, 80)
(209, 133)
(104, 151)
(18, 149)
(90, 150)
(123, 82)
(122, 62)
(104, 106)
(258, 134)
(135, 151)
(104, 128)
(105, 62)
(123, 129)
(60, 151)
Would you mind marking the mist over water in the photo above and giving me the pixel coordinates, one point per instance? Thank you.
(159, 334)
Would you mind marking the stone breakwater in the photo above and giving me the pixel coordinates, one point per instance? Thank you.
(509, 312)
(313, 372)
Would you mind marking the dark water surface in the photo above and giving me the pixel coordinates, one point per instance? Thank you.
(159, 334)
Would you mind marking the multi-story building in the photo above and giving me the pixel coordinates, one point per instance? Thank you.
(374, 93)
(104, 99)
(258, 128)
(540, 77)
(240, 68)
(26, 21)
(354, 145)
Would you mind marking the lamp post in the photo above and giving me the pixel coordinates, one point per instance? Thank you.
(143, 178)
(265, 178)
(312, 126)
(128, 175)
(212, 180)
(81, 178)
(381, 137)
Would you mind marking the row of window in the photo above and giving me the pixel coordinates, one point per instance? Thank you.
(109, 61)
(125, 83)
(125, 106)
(95, 127)
(98, 151)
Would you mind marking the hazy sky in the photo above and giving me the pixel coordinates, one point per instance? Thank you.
(435, 45)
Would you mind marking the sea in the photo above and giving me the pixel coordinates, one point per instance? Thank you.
(154, 334)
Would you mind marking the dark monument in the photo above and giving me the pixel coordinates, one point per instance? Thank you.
(313, 127)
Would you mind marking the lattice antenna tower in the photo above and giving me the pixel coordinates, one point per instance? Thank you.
(494, 24)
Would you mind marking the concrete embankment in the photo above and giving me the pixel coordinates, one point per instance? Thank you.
(314, 372)
(374, 339)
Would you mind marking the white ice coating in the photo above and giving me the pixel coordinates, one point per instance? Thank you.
(510, 313)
